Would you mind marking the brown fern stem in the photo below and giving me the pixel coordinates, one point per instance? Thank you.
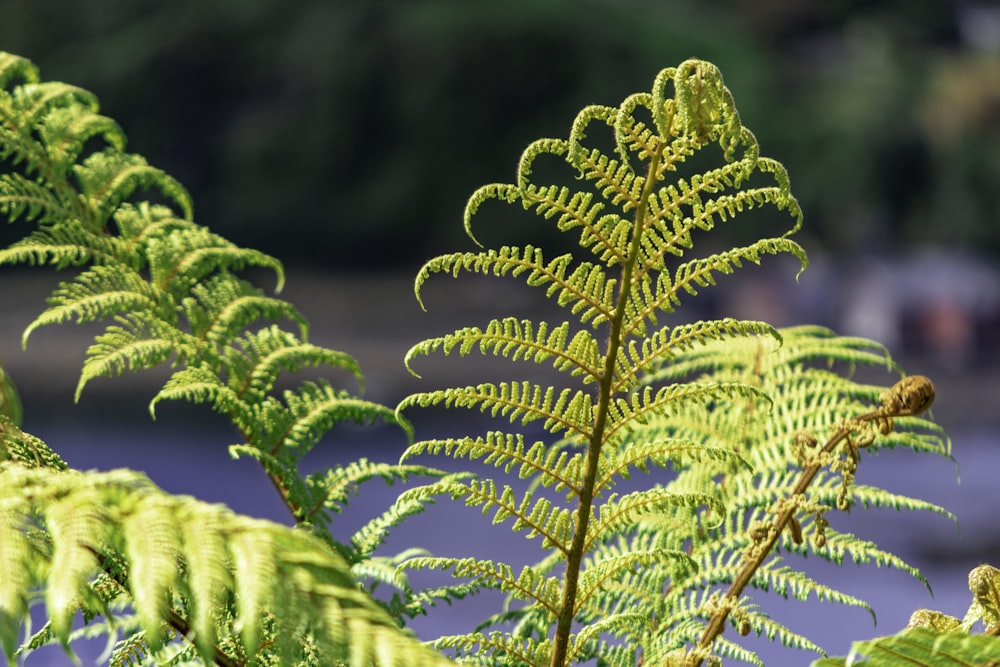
(909, 396)
(574, 560)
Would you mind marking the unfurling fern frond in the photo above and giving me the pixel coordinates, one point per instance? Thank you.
(636, 216)
(238, 589)
(801, 450)
(721, 402)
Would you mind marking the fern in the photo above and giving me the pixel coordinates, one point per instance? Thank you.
(170, 290)
(934, 638)
(640, 577)
(670, 470)
(87, 538)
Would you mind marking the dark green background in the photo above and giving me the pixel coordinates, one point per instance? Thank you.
(347, 135)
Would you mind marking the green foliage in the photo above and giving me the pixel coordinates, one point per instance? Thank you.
(669, 468)
(731, 406)
(921, 647)
(170, 290)
(169, 567)
(936, 639)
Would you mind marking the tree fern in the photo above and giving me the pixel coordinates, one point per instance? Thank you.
(650, 576)
(171, 290)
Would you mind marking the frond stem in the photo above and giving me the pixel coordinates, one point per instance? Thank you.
(174, 619)
(755, 558)
(574, 560)
(181, 625)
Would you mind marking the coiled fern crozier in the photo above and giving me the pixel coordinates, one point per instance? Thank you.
(745, 438)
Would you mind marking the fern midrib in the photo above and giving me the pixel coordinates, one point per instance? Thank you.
(577, 547)
(781, 521)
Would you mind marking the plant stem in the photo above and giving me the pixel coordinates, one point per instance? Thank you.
(718, 620)
(574, 559)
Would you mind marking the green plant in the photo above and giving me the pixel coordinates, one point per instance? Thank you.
(747, 437)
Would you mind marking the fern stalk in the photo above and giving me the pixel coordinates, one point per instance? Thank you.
(577, 550)
(910, 396)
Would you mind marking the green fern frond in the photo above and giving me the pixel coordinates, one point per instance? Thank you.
(536, 516)
(98, 292)
(177, 546)
(563, 411)
(316, 406)
(549, 465)
(637, 359)
(528, 584)
(619, 513)
(921, 647)
(636, 214)
(32, 201)
(496, 648)
(518, 339)
(170, 289)
(133, 344)
(61, 246)
(839, 546)
(107, 179)
(224, 304)
(339, 484)
(779, 440)
(256, 360)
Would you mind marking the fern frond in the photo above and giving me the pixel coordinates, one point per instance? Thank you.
(518, 339)
(525, 585)
(224, 306)
(173, 545)
(635, 216)
(32, 201)
(61, 246)
(637, 359)
(539, 517)
(549, 465)
(585, 287)
(616, 463)
(134, 343)
(96, 293)
(625, 414)
(177, 261)
(700, 273)
(566, 411)
(108, 178)
(619, 513)
(497, 648)
(339, 484)
(315, 407)
(170, 290)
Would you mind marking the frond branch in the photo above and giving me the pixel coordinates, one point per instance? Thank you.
(908, 397)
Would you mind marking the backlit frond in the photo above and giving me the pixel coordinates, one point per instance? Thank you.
(170, 289)
(722, 411)
(168, 548)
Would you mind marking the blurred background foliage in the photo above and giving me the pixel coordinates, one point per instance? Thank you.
(347, 134)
